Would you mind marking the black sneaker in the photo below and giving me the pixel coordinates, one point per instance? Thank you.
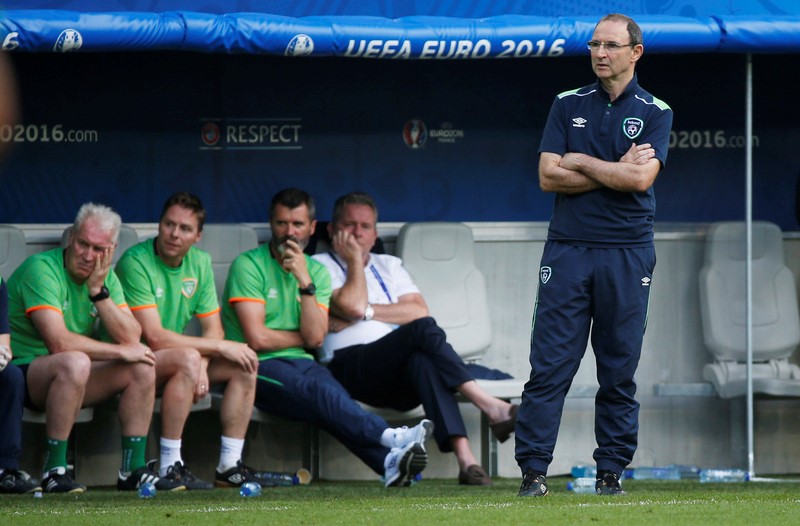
(533, 485)
(236, 476)
(17, 481)
(144, 474)
(608, 484)
(57, 480)
(179, 473)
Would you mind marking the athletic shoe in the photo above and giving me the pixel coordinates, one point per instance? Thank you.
(18, 481)
(608, 484)
(178, 472)
(144, 474)
(533, 485)
(236, 476)
(57, 480)
(403, 464)
(404, 436)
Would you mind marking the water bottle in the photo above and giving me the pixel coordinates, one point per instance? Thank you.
(581, 471)
(688, 471)
(724, 475)
(582, 485)
(250, 489)
(147, 491)
(269, 479)
(656, 473)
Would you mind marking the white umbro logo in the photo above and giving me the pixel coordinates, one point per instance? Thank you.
(645, 281)
(579, 122)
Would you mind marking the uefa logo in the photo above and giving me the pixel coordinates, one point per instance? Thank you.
(68, 40)
(415, 133)
(210, 133)
(300, 46)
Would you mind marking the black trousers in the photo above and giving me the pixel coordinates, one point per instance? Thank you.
(412, 365)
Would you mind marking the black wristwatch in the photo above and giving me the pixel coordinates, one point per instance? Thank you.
(308, 291)
(103, 294)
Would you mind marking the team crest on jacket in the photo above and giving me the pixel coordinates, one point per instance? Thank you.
(189, 287)
(632, 126)
(545, 273)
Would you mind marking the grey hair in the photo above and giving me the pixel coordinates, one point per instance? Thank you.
(109, 219)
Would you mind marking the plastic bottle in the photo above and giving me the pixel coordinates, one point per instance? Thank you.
(272, 478)
(582, 470)
(656, 473)
(688, 471)
(147, 491)
(250, 489)
(724, 475)
(582, 485)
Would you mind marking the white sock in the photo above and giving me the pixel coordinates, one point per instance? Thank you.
(230, 453)
(388, 437)
(170, 453)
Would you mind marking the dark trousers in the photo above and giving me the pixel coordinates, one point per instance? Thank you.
(301, 389)
(605, 291)
(411, 365)
(12, 396)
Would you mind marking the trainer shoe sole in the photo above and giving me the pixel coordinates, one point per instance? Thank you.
(410, 465)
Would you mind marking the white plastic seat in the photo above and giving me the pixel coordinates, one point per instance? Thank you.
(224, 242)
(776, 323)
(440, 256)
(13, 249)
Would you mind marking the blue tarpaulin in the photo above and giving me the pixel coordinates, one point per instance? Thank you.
(393, 29)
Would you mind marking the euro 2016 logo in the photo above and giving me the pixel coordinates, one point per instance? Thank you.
(68, 40)
(415, 133)
(300, 46)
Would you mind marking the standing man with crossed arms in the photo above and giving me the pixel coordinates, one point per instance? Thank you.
(602, 148)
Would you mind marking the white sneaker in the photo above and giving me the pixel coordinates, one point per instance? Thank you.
(403, 464)
(405, 435)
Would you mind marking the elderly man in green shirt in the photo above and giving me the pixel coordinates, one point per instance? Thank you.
(55, 299)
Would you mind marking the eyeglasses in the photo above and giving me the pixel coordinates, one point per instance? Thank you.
(611, 47)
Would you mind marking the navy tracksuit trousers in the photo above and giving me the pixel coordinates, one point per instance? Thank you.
(583, 291)
(411, 365)
(301, 389)
(12, 396)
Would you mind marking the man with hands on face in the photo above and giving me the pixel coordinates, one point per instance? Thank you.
(276, 300)
(167, 281)
(55, 299)
(386, 350)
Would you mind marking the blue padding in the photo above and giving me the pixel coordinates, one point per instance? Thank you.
(69, 31)
(766, 34)
(413, 37)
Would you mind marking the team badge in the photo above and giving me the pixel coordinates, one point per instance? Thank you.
(545, 274)
(632, 127)
(189, 287)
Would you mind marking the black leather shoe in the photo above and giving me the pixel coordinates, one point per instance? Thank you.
(533, 485)
(608, 484)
